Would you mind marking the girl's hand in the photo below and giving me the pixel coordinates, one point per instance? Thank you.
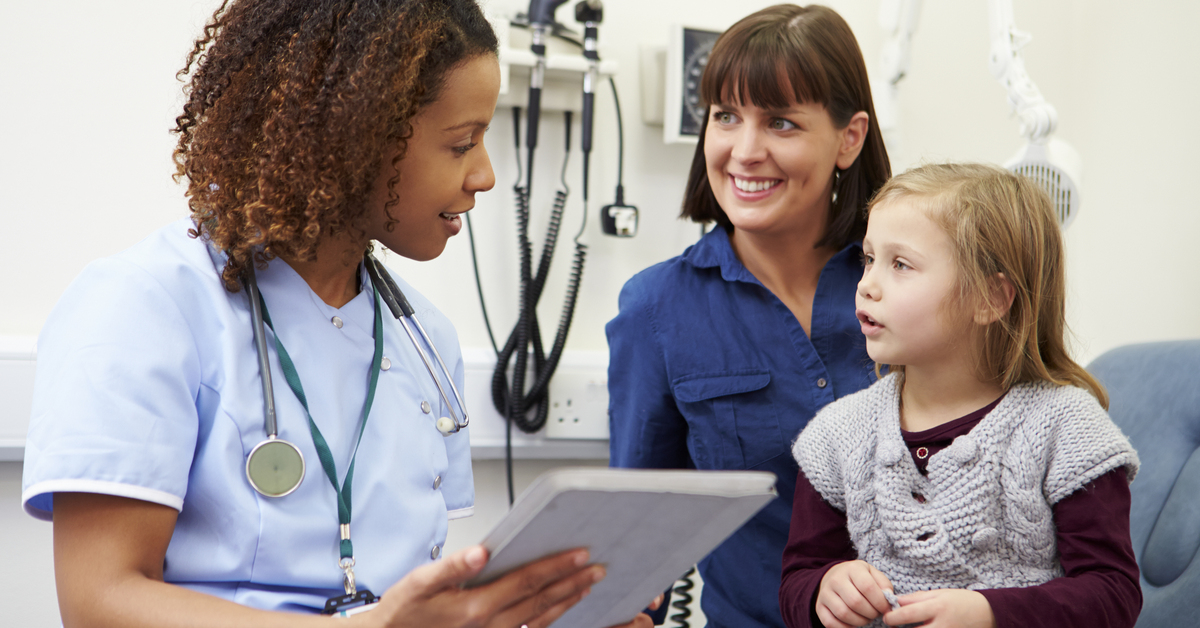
(851, 594)
(533, 596)
(943, 608)
(641, 621)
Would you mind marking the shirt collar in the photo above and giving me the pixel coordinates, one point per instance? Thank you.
(714, 251)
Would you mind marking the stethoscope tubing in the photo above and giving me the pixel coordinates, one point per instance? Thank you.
(269, 420)
(454, 389)
(402, 310)
(264, 364)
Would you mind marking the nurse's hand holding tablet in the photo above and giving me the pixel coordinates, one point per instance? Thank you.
(244, 420)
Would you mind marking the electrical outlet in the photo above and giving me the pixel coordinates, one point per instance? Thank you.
(578, 404)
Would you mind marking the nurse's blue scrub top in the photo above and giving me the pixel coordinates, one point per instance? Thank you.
(710, 370)
(148, 387)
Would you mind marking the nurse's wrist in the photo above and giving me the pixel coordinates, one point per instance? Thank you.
(361, 620)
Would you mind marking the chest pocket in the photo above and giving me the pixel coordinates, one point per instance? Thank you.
(731, 421)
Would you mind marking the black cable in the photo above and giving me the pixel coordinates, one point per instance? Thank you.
(583, 224)
(514, 402)
(562, 175)
(681, 598)
(508, 460)
(516, 113)
(620, 138)
(487, 323)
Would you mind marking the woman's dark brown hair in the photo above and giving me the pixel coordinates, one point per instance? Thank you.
(816, 51)
(291, 105)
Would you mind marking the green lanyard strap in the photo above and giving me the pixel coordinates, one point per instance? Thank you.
(293, 380)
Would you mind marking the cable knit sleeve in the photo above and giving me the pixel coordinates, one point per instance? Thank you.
(1085, 444)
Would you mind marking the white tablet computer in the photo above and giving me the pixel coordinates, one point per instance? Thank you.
(646, 526)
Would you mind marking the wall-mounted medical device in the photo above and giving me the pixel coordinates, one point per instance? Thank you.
(687, 54)
(670, 80)
(565, 67)
(546, 66)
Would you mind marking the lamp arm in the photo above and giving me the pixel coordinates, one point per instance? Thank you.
(1037, 117)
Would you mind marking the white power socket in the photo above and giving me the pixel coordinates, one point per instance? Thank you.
(581, 379)
(578, 403)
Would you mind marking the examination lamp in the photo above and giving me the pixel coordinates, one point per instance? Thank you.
(1046, 160)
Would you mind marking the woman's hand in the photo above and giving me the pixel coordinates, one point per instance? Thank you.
(851, 594)
(943, 608)
(533, 596)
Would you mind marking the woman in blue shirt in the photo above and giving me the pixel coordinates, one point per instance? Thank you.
(719, 357)
(310, 130)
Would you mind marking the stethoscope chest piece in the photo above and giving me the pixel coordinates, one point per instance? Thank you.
(275, 467)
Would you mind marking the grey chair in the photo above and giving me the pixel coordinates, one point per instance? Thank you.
(1155, 398)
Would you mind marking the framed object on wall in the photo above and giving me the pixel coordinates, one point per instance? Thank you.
(687, 55)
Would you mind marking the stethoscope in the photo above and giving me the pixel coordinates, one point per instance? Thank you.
(275, 467)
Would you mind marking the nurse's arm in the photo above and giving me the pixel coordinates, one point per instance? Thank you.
(108, 563)
(108, 567)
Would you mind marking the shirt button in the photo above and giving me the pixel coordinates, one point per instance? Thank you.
(385, 364)
(821, 383)
(425, 407)
(437, 482)
(435, 552)
(337, 322)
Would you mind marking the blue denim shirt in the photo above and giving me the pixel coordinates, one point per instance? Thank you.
(710, 370)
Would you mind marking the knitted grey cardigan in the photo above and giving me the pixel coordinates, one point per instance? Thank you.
(986, 520)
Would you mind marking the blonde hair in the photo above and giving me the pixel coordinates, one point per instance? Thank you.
(1004, 223)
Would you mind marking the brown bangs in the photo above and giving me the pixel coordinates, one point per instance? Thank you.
(758, 66)
(778, 57)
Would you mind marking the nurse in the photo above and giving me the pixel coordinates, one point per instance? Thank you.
(311, 129)
(720, 356)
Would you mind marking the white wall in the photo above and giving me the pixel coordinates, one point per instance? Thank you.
(87, 93)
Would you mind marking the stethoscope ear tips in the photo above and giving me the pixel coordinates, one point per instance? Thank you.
(446, 426)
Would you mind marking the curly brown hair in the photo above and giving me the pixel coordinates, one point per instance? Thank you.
(291, 106)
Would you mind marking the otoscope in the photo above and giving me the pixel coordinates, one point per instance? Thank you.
(590, 13)
(541, 22)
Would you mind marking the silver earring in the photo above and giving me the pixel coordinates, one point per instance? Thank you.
(837, 181)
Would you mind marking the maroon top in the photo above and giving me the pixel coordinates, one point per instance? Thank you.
(1100, 588)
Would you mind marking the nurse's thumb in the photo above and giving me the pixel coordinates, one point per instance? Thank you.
(453, 570)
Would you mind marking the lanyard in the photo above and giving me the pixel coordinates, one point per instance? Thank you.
(343, 493)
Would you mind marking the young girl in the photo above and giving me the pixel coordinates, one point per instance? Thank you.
(980, 480)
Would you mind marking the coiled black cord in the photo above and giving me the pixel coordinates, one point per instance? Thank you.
(525, 341)
(681, 598)
(512, 402)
